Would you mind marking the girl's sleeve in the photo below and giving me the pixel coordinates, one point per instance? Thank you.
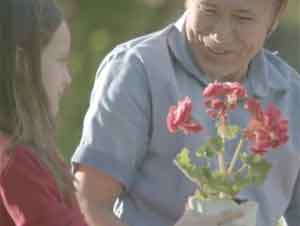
(30, 196)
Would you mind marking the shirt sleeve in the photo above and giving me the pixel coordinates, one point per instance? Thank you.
(292, 215)
(30, 196)
(116, 126)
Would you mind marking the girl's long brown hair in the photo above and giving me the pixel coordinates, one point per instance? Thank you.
(26, 27)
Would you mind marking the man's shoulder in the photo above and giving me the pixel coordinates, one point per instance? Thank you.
(279, 68)
(141, 44)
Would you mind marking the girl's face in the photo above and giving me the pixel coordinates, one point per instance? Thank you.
(55, 71)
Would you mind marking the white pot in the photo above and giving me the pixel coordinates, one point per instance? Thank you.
(217, 206)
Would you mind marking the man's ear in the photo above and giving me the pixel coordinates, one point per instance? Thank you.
(280, 10)
(273, 28)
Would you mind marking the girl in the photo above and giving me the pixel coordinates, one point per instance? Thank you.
(35, 187)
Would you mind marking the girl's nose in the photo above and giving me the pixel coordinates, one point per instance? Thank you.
(68, 77)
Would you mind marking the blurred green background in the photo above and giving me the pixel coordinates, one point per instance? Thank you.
(98, 25)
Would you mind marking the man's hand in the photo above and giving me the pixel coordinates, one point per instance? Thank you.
(193, 218)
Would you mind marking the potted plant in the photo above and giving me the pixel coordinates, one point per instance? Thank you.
(218, 187)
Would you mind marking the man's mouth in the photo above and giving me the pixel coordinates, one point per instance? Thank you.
(220, 52)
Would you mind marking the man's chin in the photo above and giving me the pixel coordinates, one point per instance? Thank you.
(223, 74)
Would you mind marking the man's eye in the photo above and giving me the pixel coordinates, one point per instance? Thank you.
(244, 18)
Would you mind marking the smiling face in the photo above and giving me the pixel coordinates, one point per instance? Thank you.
(55, 71)
(225, 35)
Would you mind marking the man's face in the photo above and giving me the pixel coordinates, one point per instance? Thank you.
(224, 35)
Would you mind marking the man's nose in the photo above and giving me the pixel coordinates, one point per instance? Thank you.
(223, 31)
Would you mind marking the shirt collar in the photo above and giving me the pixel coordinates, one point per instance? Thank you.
(262, 75)
(178, 45)
(180, 23)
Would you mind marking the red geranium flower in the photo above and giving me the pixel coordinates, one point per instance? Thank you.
(214, 90)
(222, 98)
(266, 129)
(180, 118)
(254, 107)
(277, 125)
(235, 88)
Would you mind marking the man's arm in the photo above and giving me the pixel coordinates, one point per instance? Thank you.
(292, 215)
(114, 137)
(96, 193)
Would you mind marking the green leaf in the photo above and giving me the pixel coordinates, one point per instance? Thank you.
(201, 175)
(221, 183)
(210, 149)
(231, 131)
(212, 183)
(200, 195)
(216, 143)
(258, 168)
(191, 171)
(241, 183)
(259, 171)
(183, 162)
(183, 158)
(205, 152)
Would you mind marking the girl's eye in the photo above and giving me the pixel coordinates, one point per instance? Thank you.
(208, 11)
(63, 60)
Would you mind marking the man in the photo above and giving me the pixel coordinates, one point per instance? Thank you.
(126, 150)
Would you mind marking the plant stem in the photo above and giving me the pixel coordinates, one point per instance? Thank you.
(222, 195)
(221, 157)
(221, 162)
(240, 170)
(235, 156)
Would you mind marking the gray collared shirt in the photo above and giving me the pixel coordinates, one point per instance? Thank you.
(125, 135)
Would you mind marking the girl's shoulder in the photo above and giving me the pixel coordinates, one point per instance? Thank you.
(20, 161)
(27, 184)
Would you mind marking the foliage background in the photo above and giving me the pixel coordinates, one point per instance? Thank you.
(98, 25)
